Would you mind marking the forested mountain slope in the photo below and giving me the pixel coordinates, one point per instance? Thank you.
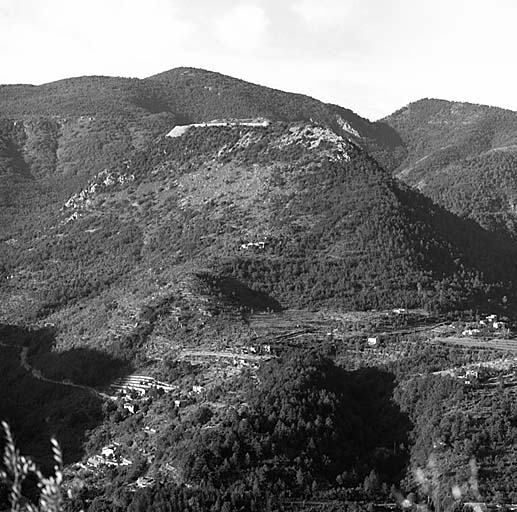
(291, 210)
(461, 155)
(94, 197)
(210, 260)
(57, 136)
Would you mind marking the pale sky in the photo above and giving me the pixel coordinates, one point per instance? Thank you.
(373, 56)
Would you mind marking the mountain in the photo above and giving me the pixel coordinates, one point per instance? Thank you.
(180, 253)
(206, 286)
(97, 198)
(290, 210)
(200, 95)
(461, 155)
(55, 137)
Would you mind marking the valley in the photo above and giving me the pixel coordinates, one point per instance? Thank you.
(138, 407)
(219, 296)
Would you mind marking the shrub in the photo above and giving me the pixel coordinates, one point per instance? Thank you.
(17, 468)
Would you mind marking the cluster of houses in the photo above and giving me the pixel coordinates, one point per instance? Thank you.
(141, 385)
(257, 349)
(130, 405)
(470, 377)
(489, 324)
(484, 375)
(110, 456)
(256, 245)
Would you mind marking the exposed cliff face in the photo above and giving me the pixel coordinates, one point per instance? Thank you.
(86, 198)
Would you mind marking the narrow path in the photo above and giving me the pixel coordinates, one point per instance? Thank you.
(24, 363)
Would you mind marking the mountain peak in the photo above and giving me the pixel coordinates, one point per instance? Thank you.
(188, 71)
(430, 106)
(462, 155)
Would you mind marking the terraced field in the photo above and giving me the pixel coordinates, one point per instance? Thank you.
(506, 345)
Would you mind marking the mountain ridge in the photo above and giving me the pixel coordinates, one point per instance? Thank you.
(280, 192)
(463, 156)
(55, 137)
(65, 154)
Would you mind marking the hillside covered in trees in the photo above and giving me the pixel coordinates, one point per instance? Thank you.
(291, 210)
(462, 156)
(57, 136)
(309, 431)
(281, 280)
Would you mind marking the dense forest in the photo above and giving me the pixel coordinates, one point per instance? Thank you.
(323, 222)
(304, 429)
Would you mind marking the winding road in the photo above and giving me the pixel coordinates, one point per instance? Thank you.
(24, 363)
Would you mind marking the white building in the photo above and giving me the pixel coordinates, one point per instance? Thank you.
(108, 452)
(372, 341)
(129, 407)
